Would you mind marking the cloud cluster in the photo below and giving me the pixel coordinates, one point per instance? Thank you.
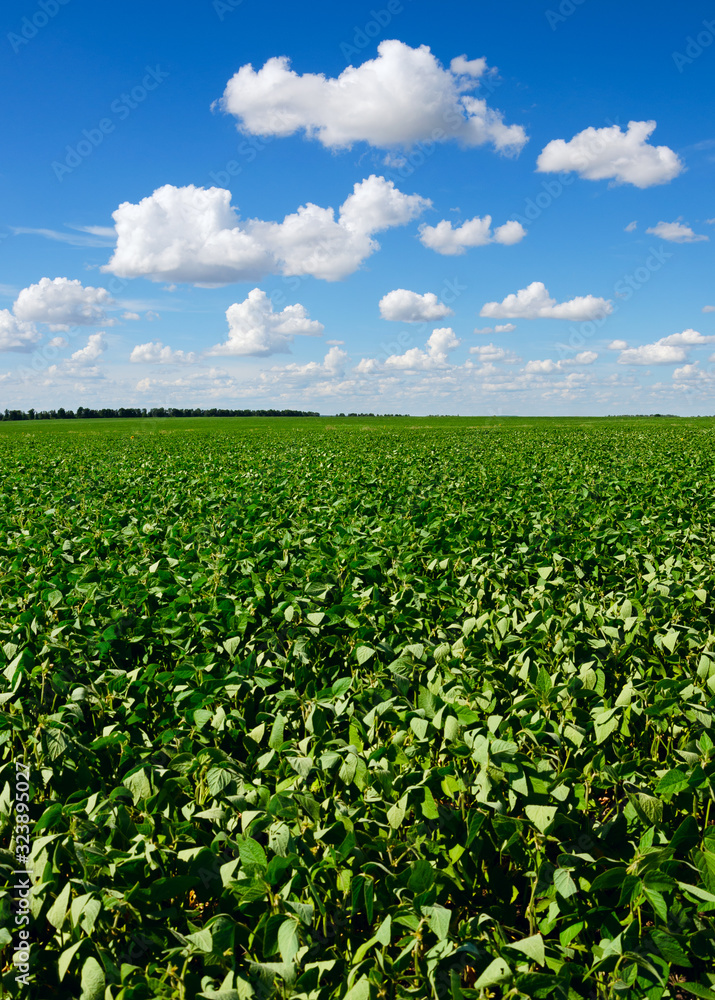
(667, 351)
(16, 335)
(193, 234)
(155, 353)
(676, 232)
(474, 232)
(547, 365)
(256, 330)
(434, 355)
(534, 302)
(62, 303)
(610, 153)
(401, 97)
(403, 306)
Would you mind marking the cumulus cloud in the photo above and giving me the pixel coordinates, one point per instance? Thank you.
(62, 303)
(332, 365)
(404, 306)
(676, 232)
(547, 365)
(16, 335)
(130, 316)
(155, 353)
(434, 355)
(504, 327)
(474, 232)
(96, 346)
(666, 351)
(630, 227)
(401, 97)
(708, 309)
(624, 157)
(534, 302)
(438, 345)
(193, 234)
(256, 330)
(618, 345)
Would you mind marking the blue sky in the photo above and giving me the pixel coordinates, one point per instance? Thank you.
(214, 124)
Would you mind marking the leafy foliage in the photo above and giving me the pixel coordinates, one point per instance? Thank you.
(319, 713)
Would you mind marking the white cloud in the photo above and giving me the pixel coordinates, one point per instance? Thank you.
(630, 227)
(335, 343)
(708, 309)
(255, 329)
(96, 345)
(474, 232)
(504, 328)
(154, 353)
(548, 365)
(666, 351)
(534, 302)
(84, 236)
(625, 157)
(438, 346)
(401, 97)
(618, 345)
(194, 235)
(404, 306)
(14, 334)
(687, 371)
(130, 316)
(490, 353)
(333, 365)
(62, 303)
(676, 232)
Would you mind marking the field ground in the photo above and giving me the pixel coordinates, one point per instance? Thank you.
(359, 708)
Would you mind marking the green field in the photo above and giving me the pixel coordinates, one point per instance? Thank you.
(360, 708)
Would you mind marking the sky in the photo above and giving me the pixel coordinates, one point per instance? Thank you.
(397, 207)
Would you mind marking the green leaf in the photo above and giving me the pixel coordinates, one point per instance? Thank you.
(698, 990)
(565, 885)
(275, 740)
(496, 972)
(541, 816)
(612, 878)
(360, 991)
(396, 814)
(288, 940)
(66, 957)
(59, 909)
(93, 981)
(670, 948)
(251, 854)
(532, 947)
(364, 653)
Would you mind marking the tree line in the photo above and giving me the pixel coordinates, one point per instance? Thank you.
(86, 412)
